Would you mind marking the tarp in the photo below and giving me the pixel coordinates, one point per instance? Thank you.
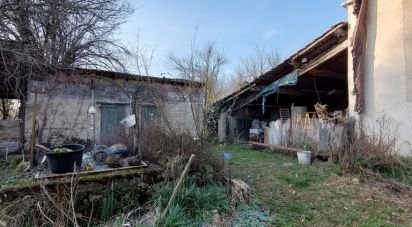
(290, 79)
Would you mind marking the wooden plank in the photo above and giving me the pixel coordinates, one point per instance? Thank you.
(10, 129)
(266, 135)
(289, 149)
(9, 124)
(88, 173)
(324, 57)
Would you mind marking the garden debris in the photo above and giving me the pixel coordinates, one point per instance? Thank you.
(113, 162)
(216, 219)
(134, 161)
(87, 167)
(325, 115)
(119, 150)
(241, 192)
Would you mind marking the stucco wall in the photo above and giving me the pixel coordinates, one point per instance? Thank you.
(64, 110)
(386, 87)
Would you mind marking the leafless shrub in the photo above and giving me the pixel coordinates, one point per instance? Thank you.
(372, 149)
(161, 147)
(172, 140)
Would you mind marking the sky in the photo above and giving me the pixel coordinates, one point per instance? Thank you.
(237, 27)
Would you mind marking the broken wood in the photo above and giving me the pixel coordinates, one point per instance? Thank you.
(179, 183)
(94, 172)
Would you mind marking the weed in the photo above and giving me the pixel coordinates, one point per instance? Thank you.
(373, 150)
(194, 201)
(108, 207)
(253, 216)
(176, 216)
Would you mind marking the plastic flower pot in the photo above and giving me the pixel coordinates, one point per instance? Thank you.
(63, 162)
(304, 157)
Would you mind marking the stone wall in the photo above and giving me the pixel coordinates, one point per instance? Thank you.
(63, 111)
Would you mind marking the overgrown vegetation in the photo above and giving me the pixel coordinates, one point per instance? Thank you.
(173, 150)
(194, 204)
(11, 170)
(373, 150)
(319, 194)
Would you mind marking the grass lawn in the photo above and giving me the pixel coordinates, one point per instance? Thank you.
(319, 194)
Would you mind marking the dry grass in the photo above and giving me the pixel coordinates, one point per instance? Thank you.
(43, 208)
(372, 150)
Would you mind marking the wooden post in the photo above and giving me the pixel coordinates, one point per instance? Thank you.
(139, 129)
(291, 124)
(33, 130)
(179, 183)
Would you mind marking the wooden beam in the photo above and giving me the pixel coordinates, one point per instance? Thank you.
(338, 31)
(278, 147)
(241, 92)
(289, 91)
(93, 172)
(323, 58)
(327, 73)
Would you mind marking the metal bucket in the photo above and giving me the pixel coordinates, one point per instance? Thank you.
(304, 157)
(129, 121)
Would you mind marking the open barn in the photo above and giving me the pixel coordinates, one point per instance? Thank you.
(288, 93)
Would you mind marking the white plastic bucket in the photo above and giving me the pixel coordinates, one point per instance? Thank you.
(129, 121)
(304, 157)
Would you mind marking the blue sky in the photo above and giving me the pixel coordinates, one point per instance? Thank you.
(236, 26)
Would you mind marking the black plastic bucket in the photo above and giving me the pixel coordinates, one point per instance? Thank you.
(64, 162)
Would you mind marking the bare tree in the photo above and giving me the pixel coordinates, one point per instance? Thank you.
(255, 65)
(42, 36)
(205, 66)
(202, 65)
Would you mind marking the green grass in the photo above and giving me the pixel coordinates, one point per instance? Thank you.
(8, 169)
(107, 207)
(314, 195)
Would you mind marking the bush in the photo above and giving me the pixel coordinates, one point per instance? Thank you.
(374, 150)
(172, 151)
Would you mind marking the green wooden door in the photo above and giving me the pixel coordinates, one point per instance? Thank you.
(111, 130)
(150, 116)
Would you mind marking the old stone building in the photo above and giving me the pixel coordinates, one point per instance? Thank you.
(89, 105)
